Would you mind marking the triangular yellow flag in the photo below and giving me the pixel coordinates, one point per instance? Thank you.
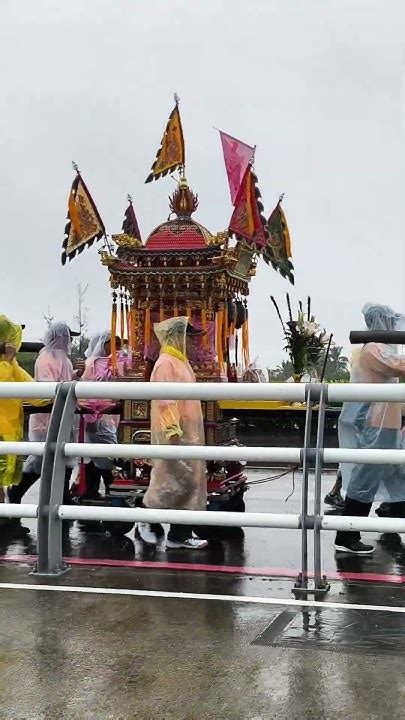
(171, 154)
(84, 224)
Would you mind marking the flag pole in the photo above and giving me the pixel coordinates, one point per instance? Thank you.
(326, 358)
(182, 168)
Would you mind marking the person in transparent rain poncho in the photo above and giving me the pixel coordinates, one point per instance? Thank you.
(175, 484)
(52, 365)
(100, 426)
(372, 425)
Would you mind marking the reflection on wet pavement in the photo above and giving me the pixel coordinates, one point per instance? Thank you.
(268, 551)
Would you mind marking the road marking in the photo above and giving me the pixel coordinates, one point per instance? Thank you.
(224, 569)
(285, 602)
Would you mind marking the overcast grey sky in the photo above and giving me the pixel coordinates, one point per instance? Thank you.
(315, 84)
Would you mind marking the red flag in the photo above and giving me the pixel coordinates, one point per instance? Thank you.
(237, 157)
(247, 222)
(130, 225)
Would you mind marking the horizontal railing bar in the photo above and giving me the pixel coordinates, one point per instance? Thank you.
(179, 517)
(21, 448)
(208, 452)
(28, 390)
(364, 524)
(372, 392)
(367, 456)
(15, 510)
(227, 519)
(290, 392)
(184, 452)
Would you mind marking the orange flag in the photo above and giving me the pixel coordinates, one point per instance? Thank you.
(247, 222)
(84, 225)
(171, 154)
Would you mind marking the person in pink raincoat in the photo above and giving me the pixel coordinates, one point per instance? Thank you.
(52, 365)
(175, 484)
(100, 425)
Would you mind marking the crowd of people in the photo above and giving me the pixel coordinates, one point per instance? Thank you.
(177, 484)
(174, 484)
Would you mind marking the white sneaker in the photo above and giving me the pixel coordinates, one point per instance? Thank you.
(189, 544)
(146, 534)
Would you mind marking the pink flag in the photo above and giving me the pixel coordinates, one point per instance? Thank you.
(237, 156)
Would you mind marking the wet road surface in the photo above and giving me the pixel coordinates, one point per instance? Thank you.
(268, 552)
(81, 654)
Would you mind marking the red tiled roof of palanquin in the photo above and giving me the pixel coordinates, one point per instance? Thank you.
(178, 234)
(182, 233)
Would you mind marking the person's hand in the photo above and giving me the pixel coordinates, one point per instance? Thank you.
(9, 352)
(174, 440)
(80, 367)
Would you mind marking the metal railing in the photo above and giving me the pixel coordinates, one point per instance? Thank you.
(57, 450)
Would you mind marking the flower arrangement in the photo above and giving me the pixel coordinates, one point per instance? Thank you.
(305, 340)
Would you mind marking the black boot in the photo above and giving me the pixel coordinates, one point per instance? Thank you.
(349, 540)
(15, 529)
(93, 478)
(66, 488)
(107, 479)
(17, 492)
(391, 509)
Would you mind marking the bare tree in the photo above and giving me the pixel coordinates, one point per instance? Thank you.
(49, 318)
(80, 345)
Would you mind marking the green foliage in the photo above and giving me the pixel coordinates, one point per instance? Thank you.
(282, 372)
(304, 338)
(26, 360)
(336, 368)
(79, 347)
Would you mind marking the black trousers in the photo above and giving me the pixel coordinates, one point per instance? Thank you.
(93, 479)
(352, 508)
(179, 533)
(17, 492)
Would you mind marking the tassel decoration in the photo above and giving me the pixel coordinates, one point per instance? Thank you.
(147, 325)
(245, 343)
(122, 318)
(132, 328)
(225, 331)
(113, 335)
(128, 321)
(204, 325)
(219, 336)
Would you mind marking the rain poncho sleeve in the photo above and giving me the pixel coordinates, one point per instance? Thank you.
(167, 411)
(175, 484)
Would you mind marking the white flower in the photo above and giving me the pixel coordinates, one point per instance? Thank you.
(310, 328)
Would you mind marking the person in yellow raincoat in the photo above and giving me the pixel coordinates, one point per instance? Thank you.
(11, 412)
(175, 484)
